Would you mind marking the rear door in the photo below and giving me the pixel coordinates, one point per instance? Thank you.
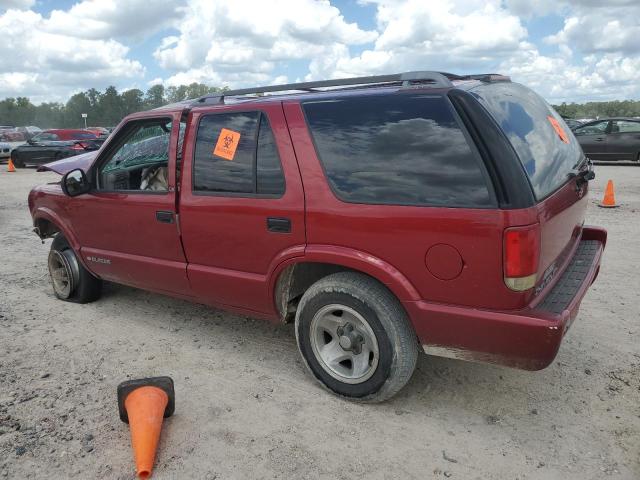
(623, 141)
(593, 139)
(241, 203)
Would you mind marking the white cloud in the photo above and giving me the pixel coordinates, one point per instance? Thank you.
(594, 55)
(235, 43)
(591, 26)
(46, 65)
(18, 4)
(448, 34)
(100, 19)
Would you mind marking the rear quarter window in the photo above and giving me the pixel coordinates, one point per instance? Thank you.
(398, 149)
(523, 116)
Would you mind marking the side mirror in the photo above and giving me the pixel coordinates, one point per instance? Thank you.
(31, 141)
(75, 183)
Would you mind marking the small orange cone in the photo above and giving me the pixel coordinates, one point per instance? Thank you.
(143, 404)
(10, 167)
(609, 200)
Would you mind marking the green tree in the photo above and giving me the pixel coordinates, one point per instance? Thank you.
(110, 108)
(132, 101)
(154, 97)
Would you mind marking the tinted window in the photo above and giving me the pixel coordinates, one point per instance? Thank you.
(625, 126)
(596, 128)
(396, 149)
(226, 156)
(270, 178)
(544, 143)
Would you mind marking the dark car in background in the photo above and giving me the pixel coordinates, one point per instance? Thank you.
(572, 123)
(614, 139)
(52, 145)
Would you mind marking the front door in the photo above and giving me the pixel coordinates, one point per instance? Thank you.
(127, 225)
(241, 204)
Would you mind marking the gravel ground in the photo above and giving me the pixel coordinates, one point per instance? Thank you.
(246, 408)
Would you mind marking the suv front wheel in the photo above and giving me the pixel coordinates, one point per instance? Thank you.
(70, 280)
(355, 337)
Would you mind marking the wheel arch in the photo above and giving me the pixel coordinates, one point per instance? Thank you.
(291, 278)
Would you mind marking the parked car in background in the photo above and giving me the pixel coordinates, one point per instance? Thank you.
(99, 131)
(12, 135)
(29, 131)
(6, 127)
(572, 123)
(5, 150)
(610, 139)
(52, 145)
(416, 211)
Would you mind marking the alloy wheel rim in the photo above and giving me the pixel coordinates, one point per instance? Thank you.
(344, 344)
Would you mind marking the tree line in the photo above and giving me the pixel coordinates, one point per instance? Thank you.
(106, 109)
(103, 109)
(616, 108)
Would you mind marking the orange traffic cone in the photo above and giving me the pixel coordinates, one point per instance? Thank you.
(609, 200)
(10, 167)
(143, 404)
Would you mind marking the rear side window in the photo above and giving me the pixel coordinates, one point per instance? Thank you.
(544, 143)
(402, 149)
(236, 153)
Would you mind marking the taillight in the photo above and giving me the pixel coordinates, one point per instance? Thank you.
(79, 146)
(521, 256)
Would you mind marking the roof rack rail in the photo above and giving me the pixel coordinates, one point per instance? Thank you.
(406, 79)
(482, 77)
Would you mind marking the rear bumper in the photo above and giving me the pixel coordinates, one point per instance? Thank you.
(528, 338)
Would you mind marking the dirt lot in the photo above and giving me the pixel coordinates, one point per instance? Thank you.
(246, 408)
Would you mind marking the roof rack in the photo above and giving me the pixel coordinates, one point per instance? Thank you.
(406, 80)
(482, 77)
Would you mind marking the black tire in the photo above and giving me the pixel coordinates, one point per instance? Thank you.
(367, 299)
(83, 287)
(17, 162)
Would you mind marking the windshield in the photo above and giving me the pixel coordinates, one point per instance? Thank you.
(543, 141)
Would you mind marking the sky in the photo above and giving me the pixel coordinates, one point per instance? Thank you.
(566, 50)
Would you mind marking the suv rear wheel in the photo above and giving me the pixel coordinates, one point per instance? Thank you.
(70, 280)
(355, 337)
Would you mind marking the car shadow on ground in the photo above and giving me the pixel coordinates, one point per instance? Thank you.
(438, 383)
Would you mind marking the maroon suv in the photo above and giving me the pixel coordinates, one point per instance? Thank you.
(384, 214)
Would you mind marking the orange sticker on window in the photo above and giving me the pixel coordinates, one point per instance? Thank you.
(227, 143)
(559, 130)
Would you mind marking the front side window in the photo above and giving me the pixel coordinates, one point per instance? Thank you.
(597, 128)
(400, 149)
(236, 153)
(140, 159)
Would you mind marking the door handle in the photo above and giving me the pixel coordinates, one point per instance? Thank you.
(599, 139)
(164, 217)
(279, 225)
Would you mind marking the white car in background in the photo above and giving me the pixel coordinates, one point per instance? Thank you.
(5, 150)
